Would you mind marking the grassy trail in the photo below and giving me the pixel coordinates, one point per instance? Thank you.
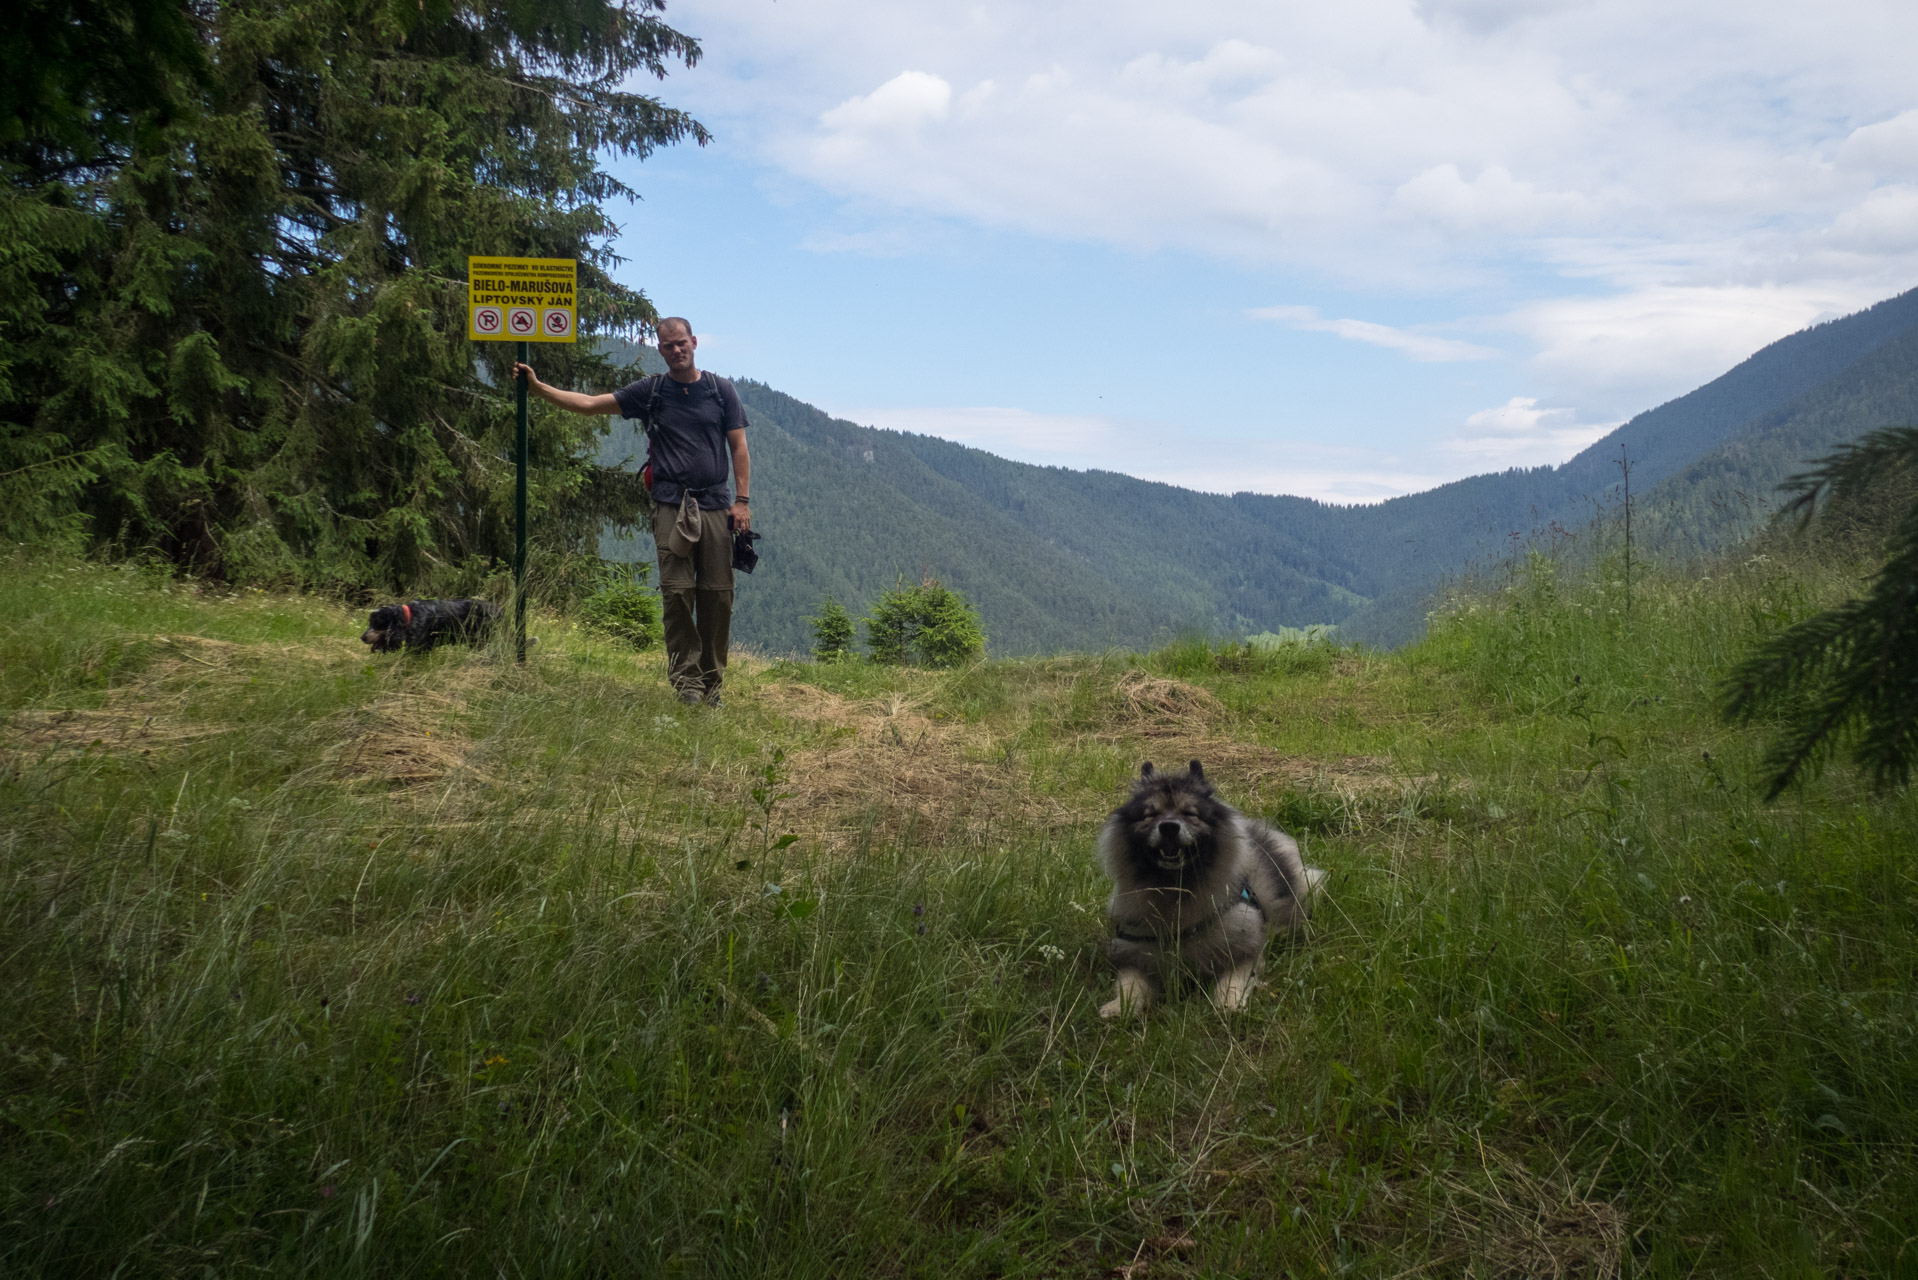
(311, 963)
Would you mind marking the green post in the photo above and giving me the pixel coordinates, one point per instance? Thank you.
(519, 518)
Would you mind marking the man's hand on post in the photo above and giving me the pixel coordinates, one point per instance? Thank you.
(526, 371)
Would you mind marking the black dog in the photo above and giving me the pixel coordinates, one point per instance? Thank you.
(421, 624)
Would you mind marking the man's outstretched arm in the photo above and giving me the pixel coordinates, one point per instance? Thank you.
(574, 400)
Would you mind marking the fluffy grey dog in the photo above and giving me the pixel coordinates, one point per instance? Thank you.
(1197, 884)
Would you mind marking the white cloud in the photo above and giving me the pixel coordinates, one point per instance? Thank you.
(1889, 147)
(899, 106)
(1170, 454)
(1645, 191)
(1885, 222)
(1494, 200)
(1619, 353)
(1422, 347)
(1521, 433)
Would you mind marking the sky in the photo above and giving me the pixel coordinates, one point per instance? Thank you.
(1344, 250)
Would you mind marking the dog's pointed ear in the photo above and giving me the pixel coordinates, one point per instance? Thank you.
(1198, 772)
(1145, 770)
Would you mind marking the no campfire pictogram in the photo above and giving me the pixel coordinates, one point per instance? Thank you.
(522, 299)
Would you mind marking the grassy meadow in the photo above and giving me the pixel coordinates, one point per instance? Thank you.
(312, 963)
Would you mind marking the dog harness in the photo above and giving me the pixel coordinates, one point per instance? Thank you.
(1245, 895)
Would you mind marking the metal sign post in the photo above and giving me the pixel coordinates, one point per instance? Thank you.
(519, 516)
(521, 300)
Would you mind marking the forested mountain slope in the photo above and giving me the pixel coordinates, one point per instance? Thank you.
(1061, 559)
(1416, 539)
(1717, 498)
(1054, 559)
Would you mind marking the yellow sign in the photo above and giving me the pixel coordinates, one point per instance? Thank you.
(522, 299)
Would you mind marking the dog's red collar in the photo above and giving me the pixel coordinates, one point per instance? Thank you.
(406, 612)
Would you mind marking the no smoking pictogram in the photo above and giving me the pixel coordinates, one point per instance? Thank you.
(487, 320)
(520, 322)
(557, 322)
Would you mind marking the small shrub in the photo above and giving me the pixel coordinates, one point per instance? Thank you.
(832, 632)
(929, 625)
(623, 606)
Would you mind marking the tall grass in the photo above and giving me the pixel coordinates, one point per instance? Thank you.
(1578, 1003)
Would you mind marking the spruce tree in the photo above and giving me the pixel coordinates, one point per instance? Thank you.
(832, 632)
(1849, 675)
(246, 328)
(930, 624)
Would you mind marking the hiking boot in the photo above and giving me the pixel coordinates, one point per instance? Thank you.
(688, 697)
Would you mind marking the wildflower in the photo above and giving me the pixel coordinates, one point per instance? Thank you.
(919, 908)
(921, 930)
(412, 997)
(328, 1191)
(1051, 952)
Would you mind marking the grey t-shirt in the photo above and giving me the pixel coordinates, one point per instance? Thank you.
(690, 422)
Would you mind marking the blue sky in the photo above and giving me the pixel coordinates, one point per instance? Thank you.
(1345, 251)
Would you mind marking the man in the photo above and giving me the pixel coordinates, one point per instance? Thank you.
(693, 421)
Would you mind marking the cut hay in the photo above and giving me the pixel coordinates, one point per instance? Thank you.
(402, 742)
(127, 729)
(1155, 707)
(1511, 1222)
(409, 739)
(891, 769)
(145, 715)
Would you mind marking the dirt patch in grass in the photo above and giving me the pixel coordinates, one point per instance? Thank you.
(892, 768)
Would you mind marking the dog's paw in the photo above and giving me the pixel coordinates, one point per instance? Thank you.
(1134, 996)
(1234, 990)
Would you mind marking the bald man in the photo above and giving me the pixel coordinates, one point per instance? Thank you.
(694, 426)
